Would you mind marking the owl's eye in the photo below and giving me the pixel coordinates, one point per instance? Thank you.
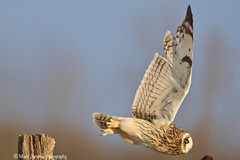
(186, 141)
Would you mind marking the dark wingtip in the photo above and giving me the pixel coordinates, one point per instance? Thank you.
(189, 16)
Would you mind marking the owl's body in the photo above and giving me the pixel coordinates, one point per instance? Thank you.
(164, 86)
(141, 132)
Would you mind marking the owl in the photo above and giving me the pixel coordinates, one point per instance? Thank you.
(162, 90)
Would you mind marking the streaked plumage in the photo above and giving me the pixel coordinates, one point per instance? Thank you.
(164, 86)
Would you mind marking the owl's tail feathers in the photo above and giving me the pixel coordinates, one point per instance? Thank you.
(109, 124)
(101, 120)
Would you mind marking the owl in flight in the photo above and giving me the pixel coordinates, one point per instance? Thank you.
(165, 84)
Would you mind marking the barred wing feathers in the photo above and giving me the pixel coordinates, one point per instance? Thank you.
(157, 98)
(167, 80)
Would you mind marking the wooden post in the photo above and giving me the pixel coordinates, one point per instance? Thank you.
(207, 158)
(35, 147)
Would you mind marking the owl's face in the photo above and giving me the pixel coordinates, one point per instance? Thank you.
(186, 142)
(175, 141)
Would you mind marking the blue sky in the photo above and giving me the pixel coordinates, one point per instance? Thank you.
(65, 60)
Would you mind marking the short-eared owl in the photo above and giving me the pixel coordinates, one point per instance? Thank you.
(164, 86)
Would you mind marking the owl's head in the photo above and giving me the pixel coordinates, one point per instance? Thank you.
(186, 142)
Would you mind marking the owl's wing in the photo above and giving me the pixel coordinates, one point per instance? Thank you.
(167, 80)
(183, 50)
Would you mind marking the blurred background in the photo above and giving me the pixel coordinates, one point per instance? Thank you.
(60, 61)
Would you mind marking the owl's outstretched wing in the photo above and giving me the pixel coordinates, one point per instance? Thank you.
(179, 49)
(167, 80)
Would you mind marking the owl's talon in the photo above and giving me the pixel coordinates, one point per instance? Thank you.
(103, 134)
(106, 132)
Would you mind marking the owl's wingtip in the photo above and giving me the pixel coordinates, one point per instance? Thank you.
(189, 16)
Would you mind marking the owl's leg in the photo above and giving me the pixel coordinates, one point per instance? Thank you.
(107, 131)
(113, 126)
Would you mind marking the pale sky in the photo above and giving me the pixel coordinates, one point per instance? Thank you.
(68, 59)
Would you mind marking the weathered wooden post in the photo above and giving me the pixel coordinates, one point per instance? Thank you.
(35, 147)
(207, 158)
